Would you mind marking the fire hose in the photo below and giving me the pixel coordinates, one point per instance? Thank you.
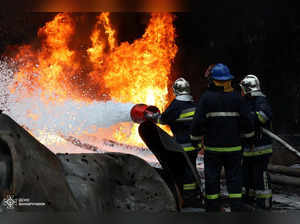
(138, 115)
(281, 141)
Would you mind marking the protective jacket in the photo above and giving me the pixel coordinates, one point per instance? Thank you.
(261, 115)
(222, 117)
(179, 116)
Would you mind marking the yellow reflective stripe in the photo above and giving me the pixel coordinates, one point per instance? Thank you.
(263, 195)
(212, 196)
(190, 148)
(235, 195)
(188, 114)
(261, 118)
(224, 149)
(258, 153)
(192, 186)
(187, 149)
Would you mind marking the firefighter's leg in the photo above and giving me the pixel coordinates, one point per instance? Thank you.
(248, 185)
(233, 171)
(263, 190)
(212, 170)
(191, 192)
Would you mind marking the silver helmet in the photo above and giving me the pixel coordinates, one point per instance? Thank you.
(181, 87)
(250, 84)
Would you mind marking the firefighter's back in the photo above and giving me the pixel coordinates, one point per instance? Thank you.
(223, 116)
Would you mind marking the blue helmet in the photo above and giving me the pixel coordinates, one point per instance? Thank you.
(221, 72)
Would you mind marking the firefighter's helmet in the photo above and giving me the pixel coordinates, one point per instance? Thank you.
(221, 72)
(250, 84)
(181, 87)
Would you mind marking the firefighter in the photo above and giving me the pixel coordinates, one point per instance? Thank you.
(221, 117)
(256, 184)
(178, 116)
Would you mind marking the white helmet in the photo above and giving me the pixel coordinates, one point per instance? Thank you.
(250, 84)
(181, 87)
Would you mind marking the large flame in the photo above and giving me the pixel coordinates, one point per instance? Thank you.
(138, 72)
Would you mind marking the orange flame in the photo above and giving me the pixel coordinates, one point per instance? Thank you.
(136, 73)
(53, 65)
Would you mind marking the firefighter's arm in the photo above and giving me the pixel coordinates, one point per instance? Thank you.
(169, 115)
(199, 124)
(263, 111)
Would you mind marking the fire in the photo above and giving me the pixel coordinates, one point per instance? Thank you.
(137, 72)
(52, 66)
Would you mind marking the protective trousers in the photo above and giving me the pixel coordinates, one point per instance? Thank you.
(190, 188)
(213, 163)
(256, 181)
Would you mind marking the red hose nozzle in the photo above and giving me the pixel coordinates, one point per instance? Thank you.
(139, 111)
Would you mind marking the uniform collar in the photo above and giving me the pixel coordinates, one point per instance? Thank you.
(184, 97)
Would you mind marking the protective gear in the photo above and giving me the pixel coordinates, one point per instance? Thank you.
(153, 117)
(250, 84)
(178, 116)
(220, 118)
(256, 179)
(181, 87)
(231, 117)
(213, 163)
(261, 115)
(221, 72)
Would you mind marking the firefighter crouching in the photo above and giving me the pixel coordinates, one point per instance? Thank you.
(176, 116)
(257, 187)
(221, 116)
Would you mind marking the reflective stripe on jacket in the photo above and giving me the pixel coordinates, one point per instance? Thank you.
(221, 117)
(179, 116)
(261, 115)
(257, 151)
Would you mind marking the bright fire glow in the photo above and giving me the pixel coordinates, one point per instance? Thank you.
(137, 72)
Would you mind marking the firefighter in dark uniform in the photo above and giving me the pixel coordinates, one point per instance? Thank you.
(221, 117)
(256, 184)
(178, 116)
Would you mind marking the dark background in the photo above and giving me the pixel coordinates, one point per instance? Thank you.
(260, 38)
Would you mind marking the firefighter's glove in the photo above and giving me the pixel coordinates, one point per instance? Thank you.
(153, 117)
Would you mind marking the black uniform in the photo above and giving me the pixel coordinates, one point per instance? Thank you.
(180, 109)
(221, 117)
(257, 186)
